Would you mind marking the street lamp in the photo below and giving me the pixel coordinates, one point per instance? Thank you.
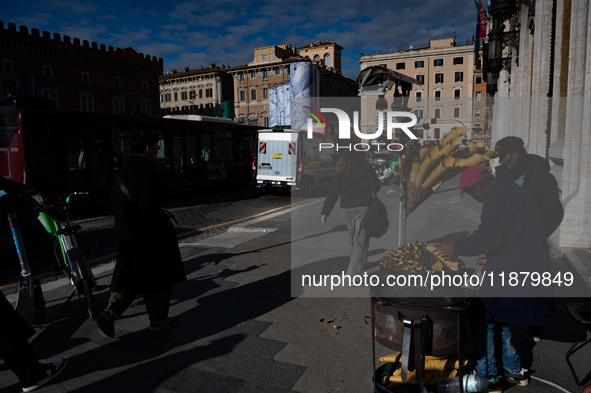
(434, 120)
(192, 97)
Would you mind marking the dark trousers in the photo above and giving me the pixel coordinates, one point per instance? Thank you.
(157, 302)
(23, 361)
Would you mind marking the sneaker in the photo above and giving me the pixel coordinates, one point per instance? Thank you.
(106, 324)
(496, 387)
(535, 339)
(520, 378)
(52, 370)
(165, 324)
(534, 333)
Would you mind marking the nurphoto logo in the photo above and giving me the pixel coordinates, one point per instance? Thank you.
(393, 122)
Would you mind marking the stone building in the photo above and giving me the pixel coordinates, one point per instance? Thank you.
(538, 70)
(77, 75)
(270, 69)
(252, 81)
(201, 91)
(450, 79)
(325, 53)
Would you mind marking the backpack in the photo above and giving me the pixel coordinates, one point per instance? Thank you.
(375, 222)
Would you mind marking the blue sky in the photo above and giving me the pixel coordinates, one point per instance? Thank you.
(194, 33)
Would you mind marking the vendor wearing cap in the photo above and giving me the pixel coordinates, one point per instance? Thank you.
(531, 172)
(511, 236)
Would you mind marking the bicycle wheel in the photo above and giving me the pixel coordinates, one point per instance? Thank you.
(84, 288)
(59, 257)
(85, 285)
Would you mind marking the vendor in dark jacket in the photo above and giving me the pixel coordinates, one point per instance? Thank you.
(149, 260)
(532, 173)
(512, 237)
(355, 183)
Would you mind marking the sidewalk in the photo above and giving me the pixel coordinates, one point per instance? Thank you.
(242, 332)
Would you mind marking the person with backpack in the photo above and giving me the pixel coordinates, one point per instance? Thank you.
(355, 185)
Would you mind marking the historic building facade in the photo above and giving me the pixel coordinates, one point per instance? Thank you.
(78, 75)
(538, 70)
(452, 85)
(271, 68)
(202, 91)
(326, 53)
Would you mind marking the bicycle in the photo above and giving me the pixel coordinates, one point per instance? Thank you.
(56, 220)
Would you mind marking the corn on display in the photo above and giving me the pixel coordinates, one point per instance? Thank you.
(427, 167)
(419, 258)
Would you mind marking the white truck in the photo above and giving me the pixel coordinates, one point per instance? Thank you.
(287, 159)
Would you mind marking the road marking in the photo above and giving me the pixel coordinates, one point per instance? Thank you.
(253, 219)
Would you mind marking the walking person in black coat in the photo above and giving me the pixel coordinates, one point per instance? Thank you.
(355, 184)
(18, 355)
(149, 260)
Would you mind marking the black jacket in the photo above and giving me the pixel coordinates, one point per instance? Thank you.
(541, 185)
(13, 330)
(355, 189)
(149, 255)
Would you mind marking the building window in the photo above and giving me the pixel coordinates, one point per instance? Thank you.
(437, 95)
(419, 113)
(192, 94)
(459, 76)
(327, 60)
(478, 96)
(48, 72)
(277, 71)
(146, 107)
(86, 102)
(457, 93)
(8, 87)
(166, 97)
(209, 92)
(253, 75)
(420, 78)
(439, 78)
(265, 93)
(85, 77)
(479, 64)
(418, 96)
(419, 64)
(265, 122)
(183, 95)
(400, 66)
(7, 65)
(116, 81)
(265, 74)
(458, 60)
(176, 96)
(457, 111)
(477, 111)
(241, 79)
(242, 95)
(438, 62)
(118, 105)
(253, 94)
(50, 94)
(200, 93)
(478, 80)
(437, 133)
(317, 57)
(145, 85)
(437, 113)
(264, 57)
